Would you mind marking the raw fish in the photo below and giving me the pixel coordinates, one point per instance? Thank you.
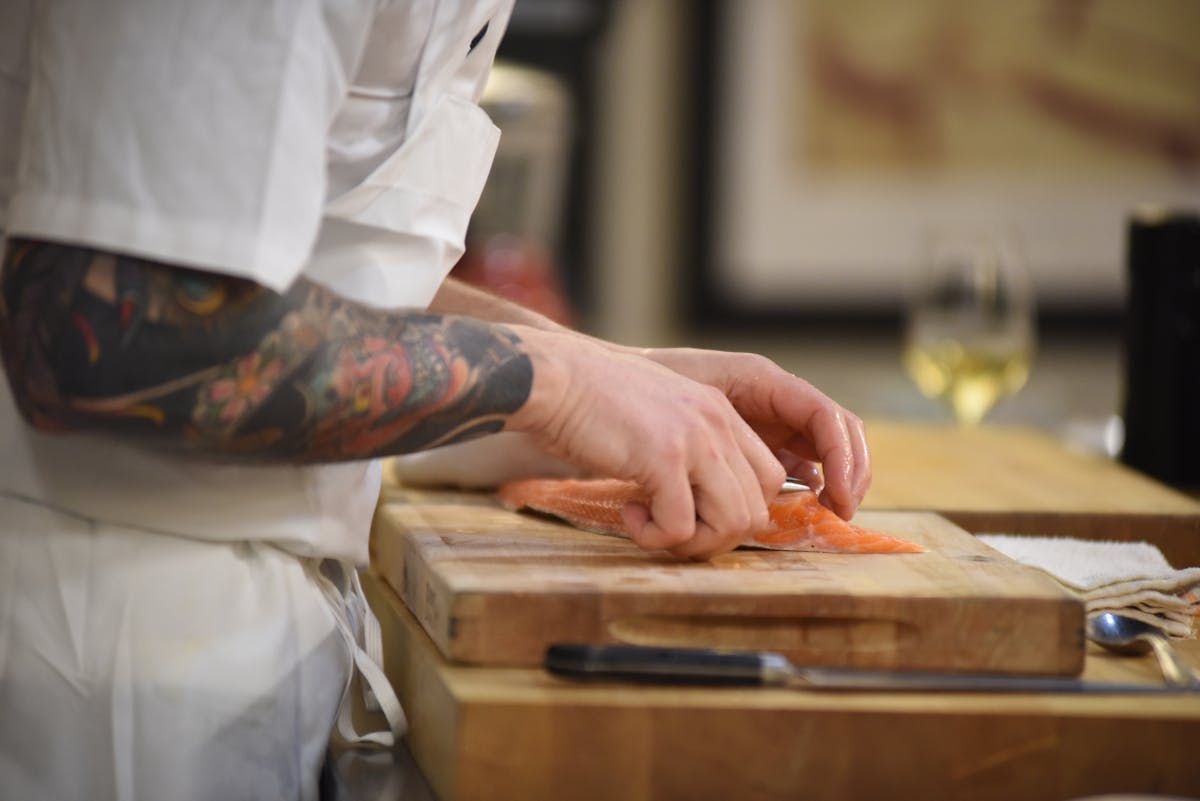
(798, 521)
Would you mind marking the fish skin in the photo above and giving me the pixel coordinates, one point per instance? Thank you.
(798, 521)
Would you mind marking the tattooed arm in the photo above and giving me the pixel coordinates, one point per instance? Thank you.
(98, 341)
(183, 358)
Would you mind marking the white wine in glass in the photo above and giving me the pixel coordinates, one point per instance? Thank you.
(970, 322)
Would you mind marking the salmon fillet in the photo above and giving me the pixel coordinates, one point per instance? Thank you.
(798, 521)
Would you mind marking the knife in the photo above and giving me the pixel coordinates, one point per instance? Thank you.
(701, 666)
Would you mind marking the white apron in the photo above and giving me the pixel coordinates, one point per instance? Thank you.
(140, 666)
(177, 630)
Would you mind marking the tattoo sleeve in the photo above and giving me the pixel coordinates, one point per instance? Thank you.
(97, 341)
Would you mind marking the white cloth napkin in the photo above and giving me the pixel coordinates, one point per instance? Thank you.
(1132, 578)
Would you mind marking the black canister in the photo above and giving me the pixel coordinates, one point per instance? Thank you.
(1162, 347)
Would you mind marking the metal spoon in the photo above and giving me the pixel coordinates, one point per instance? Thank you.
(1127, 635)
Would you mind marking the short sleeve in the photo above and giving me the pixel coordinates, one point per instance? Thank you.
(14, 85)
(190, 132)
(410, 150)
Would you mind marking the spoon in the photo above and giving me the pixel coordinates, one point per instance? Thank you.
(1127, 635)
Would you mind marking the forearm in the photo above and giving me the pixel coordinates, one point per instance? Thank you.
(457, 297)
(177, 357)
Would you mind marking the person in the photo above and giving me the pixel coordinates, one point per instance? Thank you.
(227, 230)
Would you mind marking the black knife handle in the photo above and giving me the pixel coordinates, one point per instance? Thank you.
(650, 664)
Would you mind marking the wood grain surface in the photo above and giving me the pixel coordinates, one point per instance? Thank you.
(484, 733)
(497, 587)
(1005, 468)
(1017, 480)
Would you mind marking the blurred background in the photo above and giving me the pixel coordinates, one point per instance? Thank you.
(765, 175)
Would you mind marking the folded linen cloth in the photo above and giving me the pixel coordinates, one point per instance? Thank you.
(1130, 578)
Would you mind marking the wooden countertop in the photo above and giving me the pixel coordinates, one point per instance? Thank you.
(483, 733)
(516, 732)
(1019, 480)
(1003, 469)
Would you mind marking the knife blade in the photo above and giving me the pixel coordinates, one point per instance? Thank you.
(701, 666)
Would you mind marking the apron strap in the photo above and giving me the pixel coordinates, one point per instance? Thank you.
(360, 628)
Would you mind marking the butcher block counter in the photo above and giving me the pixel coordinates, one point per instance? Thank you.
(470, 594)
(1020, 481)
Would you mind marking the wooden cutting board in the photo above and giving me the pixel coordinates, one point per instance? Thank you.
(496, 587)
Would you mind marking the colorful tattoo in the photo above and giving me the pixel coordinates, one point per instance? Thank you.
(96, 341)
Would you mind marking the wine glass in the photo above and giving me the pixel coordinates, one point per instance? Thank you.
(970, 323)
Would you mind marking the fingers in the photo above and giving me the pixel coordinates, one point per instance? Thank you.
(731, 477)
(809, 426)
(730, 505)
(862, 459)
(807, 471)
(706, 544)
(704, 541)
(699, 431)
(669, 520)
(841, 443)
(731, 484)
(788, 411)
(766, 471)
(726, 504)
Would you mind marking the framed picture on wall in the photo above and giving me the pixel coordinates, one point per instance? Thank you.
(835, 134)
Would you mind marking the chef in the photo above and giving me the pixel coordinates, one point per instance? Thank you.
(227, 229)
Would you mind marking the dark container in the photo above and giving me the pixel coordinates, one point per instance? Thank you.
(1162, 347)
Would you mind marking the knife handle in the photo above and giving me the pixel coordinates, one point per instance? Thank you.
(666, 665)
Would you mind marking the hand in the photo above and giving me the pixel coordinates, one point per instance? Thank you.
(810, 434)
(709, 476)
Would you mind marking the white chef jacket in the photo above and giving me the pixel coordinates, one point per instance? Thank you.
(340, 141)
(156, 641)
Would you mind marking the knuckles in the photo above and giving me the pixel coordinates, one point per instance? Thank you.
(673, 538)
